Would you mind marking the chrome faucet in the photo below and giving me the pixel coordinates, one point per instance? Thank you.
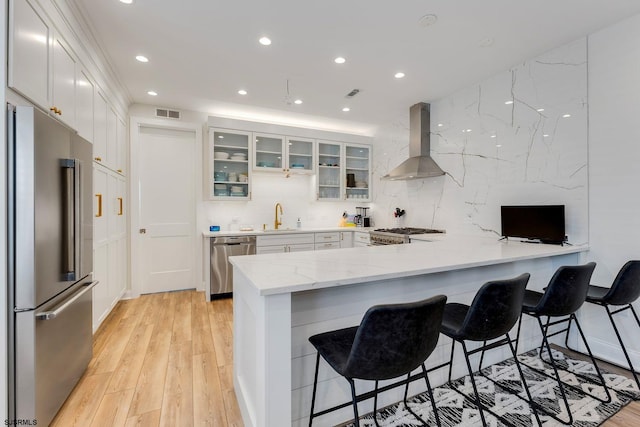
(277, 223)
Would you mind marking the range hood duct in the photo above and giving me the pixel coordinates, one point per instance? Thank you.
(419, 164)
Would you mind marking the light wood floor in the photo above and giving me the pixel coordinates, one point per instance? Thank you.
(166, 360)
(159, 360)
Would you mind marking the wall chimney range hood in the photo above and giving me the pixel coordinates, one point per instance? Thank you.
(419, 165)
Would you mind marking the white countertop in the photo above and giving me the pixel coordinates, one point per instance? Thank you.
(300, 271)
(257, 232)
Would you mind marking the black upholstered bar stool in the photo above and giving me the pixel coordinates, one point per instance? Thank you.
(623, 292)
(492, 314)
(563, 296)
(391, 341)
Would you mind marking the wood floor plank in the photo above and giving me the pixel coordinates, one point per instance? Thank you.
(83, 402)
(177, 405)
(148, 419)
(232, 410)
(182, 318)
(109, 357)
(208, 399)
(150, 388)
(126, 375)
(113, 409)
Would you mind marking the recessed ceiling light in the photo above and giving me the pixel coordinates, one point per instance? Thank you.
(498, 145)
(265, 41)
(546, 135)
(242, 92)
(339, 60)
(428, 20)
(142, 58)
(152, 93)
(468, 130)
(540, 110)
(566, 116)
(508, 102)
(440, 125)
(298, 101)
(126, 1)
(346, 109)
(494, 136)
(398, 75)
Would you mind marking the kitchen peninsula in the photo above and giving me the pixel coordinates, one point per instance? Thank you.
(282, 299)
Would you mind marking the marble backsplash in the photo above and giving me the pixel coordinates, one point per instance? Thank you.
(519, 137)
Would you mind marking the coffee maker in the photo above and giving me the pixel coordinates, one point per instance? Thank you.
(361, 218)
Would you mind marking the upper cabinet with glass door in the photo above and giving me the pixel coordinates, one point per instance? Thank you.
(300, 155)
(283, 154)
(329, 177)
(268, 152)
(230, 174)
(357, 172)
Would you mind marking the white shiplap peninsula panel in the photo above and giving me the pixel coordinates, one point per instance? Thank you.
(496, 153)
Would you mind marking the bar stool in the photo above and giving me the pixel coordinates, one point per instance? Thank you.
(492, 314)
(391, 341)
(563, 296)
(623, 292)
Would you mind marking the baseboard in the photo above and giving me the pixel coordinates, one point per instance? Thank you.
(611, 352)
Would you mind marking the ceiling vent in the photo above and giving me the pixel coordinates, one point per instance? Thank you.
(167, 114)
(353, 93)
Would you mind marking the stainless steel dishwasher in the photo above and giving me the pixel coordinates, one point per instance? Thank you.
(221, 270)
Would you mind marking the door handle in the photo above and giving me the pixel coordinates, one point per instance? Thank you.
(71, 206)
(143, 231)
(52, 314)
(120, 202)
(99, 214)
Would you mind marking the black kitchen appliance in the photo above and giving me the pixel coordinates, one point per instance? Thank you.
(362, 219)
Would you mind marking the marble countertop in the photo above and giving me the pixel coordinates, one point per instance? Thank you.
(257, 232)
(300, 271)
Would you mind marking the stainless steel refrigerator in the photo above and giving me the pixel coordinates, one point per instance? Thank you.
(50, 228)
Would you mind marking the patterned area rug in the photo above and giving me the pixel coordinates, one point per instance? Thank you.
(455, 410)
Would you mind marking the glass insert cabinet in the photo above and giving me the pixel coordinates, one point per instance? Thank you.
(229, 160)
(340, 171)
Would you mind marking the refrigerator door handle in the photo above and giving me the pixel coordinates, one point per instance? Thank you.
(70, 243)
(52, 314)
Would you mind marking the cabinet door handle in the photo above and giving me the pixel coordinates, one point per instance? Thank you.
(119, 170)
(99, 214)
(98, 159)
(120, 202)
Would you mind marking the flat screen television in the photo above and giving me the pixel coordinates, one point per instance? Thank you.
(542, 222)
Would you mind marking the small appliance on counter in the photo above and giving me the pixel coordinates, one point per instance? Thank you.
(362, 219)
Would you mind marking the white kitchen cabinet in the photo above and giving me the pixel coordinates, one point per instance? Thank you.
(29, 35)
(346, 239)
(229, 175)
(42, 66)
(344, 171)
(109, 240)
(63, 82)
(84, 104)
(361, 238)
(330, 177)
(277, 153)
(121, 147)
(357, 170)
(112, 138)
(100, 128)
(327, 245)
(290, 242)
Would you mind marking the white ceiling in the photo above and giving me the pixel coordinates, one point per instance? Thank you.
(202, 52)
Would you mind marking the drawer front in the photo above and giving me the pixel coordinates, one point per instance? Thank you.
(300, 248)
(285, 239)
(327, 245)
(362, 238)
(328, 237)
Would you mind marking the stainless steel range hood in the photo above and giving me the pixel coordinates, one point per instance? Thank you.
(419, 164)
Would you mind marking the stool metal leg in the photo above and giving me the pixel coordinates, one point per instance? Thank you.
(473, 383)
(315, 387)
(356, 418)
(624, 350)
(375, 405)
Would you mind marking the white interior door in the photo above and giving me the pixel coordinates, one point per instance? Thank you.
(167, 209)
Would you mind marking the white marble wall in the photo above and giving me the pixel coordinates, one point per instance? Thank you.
(495, 153)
